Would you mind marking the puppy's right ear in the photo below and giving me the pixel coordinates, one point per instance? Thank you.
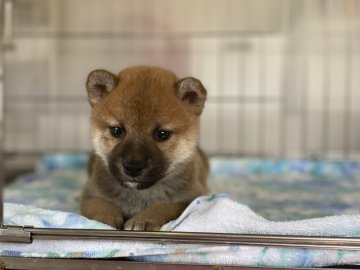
(99, 83)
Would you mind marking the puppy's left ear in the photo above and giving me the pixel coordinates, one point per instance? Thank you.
(192, 93)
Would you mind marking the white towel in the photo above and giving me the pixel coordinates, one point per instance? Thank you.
(218, 213)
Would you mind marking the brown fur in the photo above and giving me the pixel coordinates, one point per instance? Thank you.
(144, 100)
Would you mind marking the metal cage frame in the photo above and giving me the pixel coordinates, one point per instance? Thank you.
(26, 235)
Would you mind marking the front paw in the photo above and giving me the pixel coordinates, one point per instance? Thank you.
(138, 224)
(114, 221)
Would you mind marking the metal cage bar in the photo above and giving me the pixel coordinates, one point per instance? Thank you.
(241, 99)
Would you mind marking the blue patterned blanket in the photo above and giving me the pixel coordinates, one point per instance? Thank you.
(276, 189)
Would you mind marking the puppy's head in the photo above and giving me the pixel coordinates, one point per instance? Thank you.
(144, 122)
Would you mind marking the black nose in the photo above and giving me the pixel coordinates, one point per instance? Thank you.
(133, 167)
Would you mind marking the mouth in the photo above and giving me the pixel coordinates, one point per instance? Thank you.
(146, 180)
(138, 184)
(132, 182)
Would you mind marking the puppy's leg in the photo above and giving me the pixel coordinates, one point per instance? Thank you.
(103, 211)
(154, 216)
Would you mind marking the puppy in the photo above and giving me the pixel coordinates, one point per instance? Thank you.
(146, 167)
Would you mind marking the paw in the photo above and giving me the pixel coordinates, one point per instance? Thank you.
(136, 224)
(114, 221)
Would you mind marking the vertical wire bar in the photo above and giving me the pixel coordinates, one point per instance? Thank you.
(347, 129)
(200, 64)
(240, 106)
(34, 112)
(55, 135)
(262, 96)
(35, 141)
(284, 87)
(282, 109)
(326, 84)
(356, 79)
(2, 129)
(221, 108)
(7, 7)
(304, 93)
(2, 115)
(2, 165)
(53, 106)
(202, 59)
(305, 108)
(75, 134)
(218, 102)
(52, 91)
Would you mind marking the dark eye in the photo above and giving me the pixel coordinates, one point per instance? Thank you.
(162, 135)
(117, 132)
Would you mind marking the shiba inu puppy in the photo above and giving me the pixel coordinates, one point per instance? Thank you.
(146, 167)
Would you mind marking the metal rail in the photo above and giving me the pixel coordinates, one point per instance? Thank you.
(29, 234)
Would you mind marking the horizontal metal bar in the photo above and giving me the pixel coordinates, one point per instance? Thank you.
(295, 33)
(77, 99)
(139, 34)
(286, 241)
(245, 99)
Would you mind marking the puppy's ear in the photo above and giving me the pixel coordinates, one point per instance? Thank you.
(192, 93)
(99, 83)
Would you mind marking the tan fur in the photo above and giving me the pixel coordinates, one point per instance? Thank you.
(143, 99)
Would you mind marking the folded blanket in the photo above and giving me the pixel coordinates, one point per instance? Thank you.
(218, 213)
(19, 214)
(214, 213)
